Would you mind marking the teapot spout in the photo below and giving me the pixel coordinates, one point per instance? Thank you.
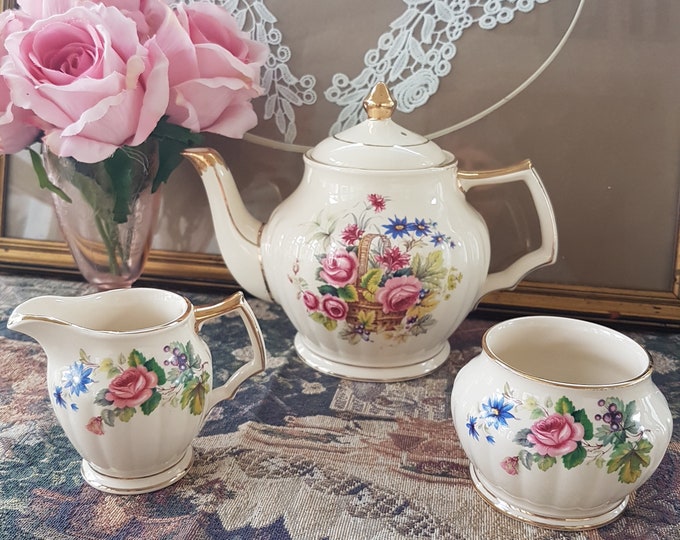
(237, 231)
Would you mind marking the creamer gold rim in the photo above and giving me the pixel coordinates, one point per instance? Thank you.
(579, 386)
(149, 329)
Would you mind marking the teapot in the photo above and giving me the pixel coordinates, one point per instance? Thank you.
(377, 256)
(131, 381)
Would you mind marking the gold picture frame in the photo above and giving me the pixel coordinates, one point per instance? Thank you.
(647, 301)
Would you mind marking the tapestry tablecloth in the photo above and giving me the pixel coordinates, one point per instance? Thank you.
(295, 455)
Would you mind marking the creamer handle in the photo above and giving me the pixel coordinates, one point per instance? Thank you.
(546, 253)
(256, 365)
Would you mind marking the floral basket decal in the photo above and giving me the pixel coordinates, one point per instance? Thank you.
(377, 278)
(367, 307)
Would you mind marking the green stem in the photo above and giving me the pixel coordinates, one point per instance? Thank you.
(110, 245)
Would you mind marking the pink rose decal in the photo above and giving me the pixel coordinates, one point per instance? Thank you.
(132, 387)
(334, 308)
(310, 300)
(399, 293)
(215, 70)
(339, 269)
(556, 435)
(511, 465)
(90, 82)
(95, 425)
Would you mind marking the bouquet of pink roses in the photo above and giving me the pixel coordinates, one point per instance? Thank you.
(94, 81)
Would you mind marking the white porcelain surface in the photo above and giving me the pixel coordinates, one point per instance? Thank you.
(560, 420)
(377, 256)
(130, 380)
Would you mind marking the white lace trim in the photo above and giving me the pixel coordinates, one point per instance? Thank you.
(410, 58)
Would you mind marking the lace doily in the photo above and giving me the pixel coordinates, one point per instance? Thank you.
(411, 58)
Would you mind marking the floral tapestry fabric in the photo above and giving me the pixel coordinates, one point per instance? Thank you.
(298, 454)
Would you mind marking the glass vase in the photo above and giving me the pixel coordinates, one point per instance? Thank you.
(107, 214)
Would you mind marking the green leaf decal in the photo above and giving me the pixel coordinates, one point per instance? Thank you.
(572, 459)
(194, 394)
(135, 358)
(581, 417)
(100, 398)
(124, 415)
(544, 462)
(348, 293)
(521, 438)
(371, 280)
(328, 323)
(152, 403)
(108, 417)
(564, 406)
(328, 289)
(152, 365)
(629, 459)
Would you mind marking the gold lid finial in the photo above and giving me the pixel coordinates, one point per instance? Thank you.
(379, 104)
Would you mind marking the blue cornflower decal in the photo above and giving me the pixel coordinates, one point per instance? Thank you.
(420, 227)
(58, 397)
(490, 439)
(397, 227)
(77, 378)
(497, 411)
(438, 239)
(472, 429)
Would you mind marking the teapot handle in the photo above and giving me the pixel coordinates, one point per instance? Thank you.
(546, 253)
(236, 302)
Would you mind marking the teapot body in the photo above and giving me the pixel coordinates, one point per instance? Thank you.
(375, 268)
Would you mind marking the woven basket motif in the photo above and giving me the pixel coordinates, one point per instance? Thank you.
(375, 275)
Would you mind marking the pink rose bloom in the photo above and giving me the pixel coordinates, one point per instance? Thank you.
(556, 435)
(17, 126)
(214, 70)
(334, 308)
(132, 387)
(399, 293)
(310, 300)
(339, 269)
(87, 77)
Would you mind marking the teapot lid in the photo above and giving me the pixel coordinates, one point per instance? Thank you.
(378, 142)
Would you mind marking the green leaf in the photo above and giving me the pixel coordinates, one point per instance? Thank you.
(108, 417)
(328, 289)
(544, 462)
(152, 365)
(564, 406)
(100, 398)
(152, 403)
(581, 417)
(371, 279)
(124, 415)
(629, 414)
(431, 271)
(537, 413)
(572, 459)
(194, 394)
(43, 180)
(521, 438)
(629, 459)
(172, 141)
(526, 458)
(348, 293)
(135, 358)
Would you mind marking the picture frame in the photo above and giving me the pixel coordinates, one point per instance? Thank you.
(585, 292)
